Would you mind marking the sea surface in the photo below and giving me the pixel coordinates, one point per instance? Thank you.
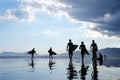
(56, 69)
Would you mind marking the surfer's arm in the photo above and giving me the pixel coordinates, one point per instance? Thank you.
(67, 47)
(80, 47)
(91, 47)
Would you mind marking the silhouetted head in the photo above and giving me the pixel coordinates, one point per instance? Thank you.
(99, 53)
(82, 42)
(93, 41)
(50, 47)
(33, 48)
(69, 40)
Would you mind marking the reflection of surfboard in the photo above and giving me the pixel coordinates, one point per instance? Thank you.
(74, 47)
(52, 63)
(52, 52)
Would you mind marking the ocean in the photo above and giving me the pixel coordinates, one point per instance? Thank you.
(56, 69)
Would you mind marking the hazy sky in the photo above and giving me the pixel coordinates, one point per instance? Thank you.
(41, 24)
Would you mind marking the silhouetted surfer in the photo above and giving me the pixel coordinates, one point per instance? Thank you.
(94, 49)
(32, 52)
(100, 58)
(51, 53)
(70, 49)
(83, 51)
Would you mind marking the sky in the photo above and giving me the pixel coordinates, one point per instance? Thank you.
(41, 24)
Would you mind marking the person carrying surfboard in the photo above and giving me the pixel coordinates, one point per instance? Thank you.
(100, 58)
(83, 50)
(94, 49)
(69, 48)
(32, 52)
(51, 53)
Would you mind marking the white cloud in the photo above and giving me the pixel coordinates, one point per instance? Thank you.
(18, 15)
(87, 27)
(28, 9)
(75, 11)
(89, 32)
(49, 32)
(8, 15)
(107, 17)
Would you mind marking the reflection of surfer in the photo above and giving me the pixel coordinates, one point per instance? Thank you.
(32, 63)
(83, 71)
(51, 53)
(32, 52)
(95, 71)
(72, 73)
(69, 49)
(51, 64)
(83, 51)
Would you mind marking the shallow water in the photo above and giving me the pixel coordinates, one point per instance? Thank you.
(58, 69)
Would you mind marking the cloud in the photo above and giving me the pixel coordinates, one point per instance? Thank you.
(28, 9)
(49, 32)
(17, 15)
(106, 14)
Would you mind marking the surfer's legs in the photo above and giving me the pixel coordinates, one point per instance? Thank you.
(82, 56)
(70, 55)
(50, 57)
(32, 57)
(82, 59)
(94, 56)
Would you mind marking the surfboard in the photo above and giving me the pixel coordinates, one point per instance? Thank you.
(31, 52)
(52, 52)
(87, 52)
(74, 47)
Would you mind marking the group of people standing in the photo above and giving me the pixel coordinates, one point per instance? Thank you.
(82, 47)
(71, 48)
(84, 68)
(72, 73)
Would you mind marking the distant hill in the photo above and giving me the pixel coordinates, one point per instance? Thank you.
(15, 55)
(112, 56)
(109, 52)
(75, 54)
(112, 59)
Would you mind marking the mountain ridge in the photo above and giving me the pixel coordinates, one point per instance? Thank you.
(111, 52)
